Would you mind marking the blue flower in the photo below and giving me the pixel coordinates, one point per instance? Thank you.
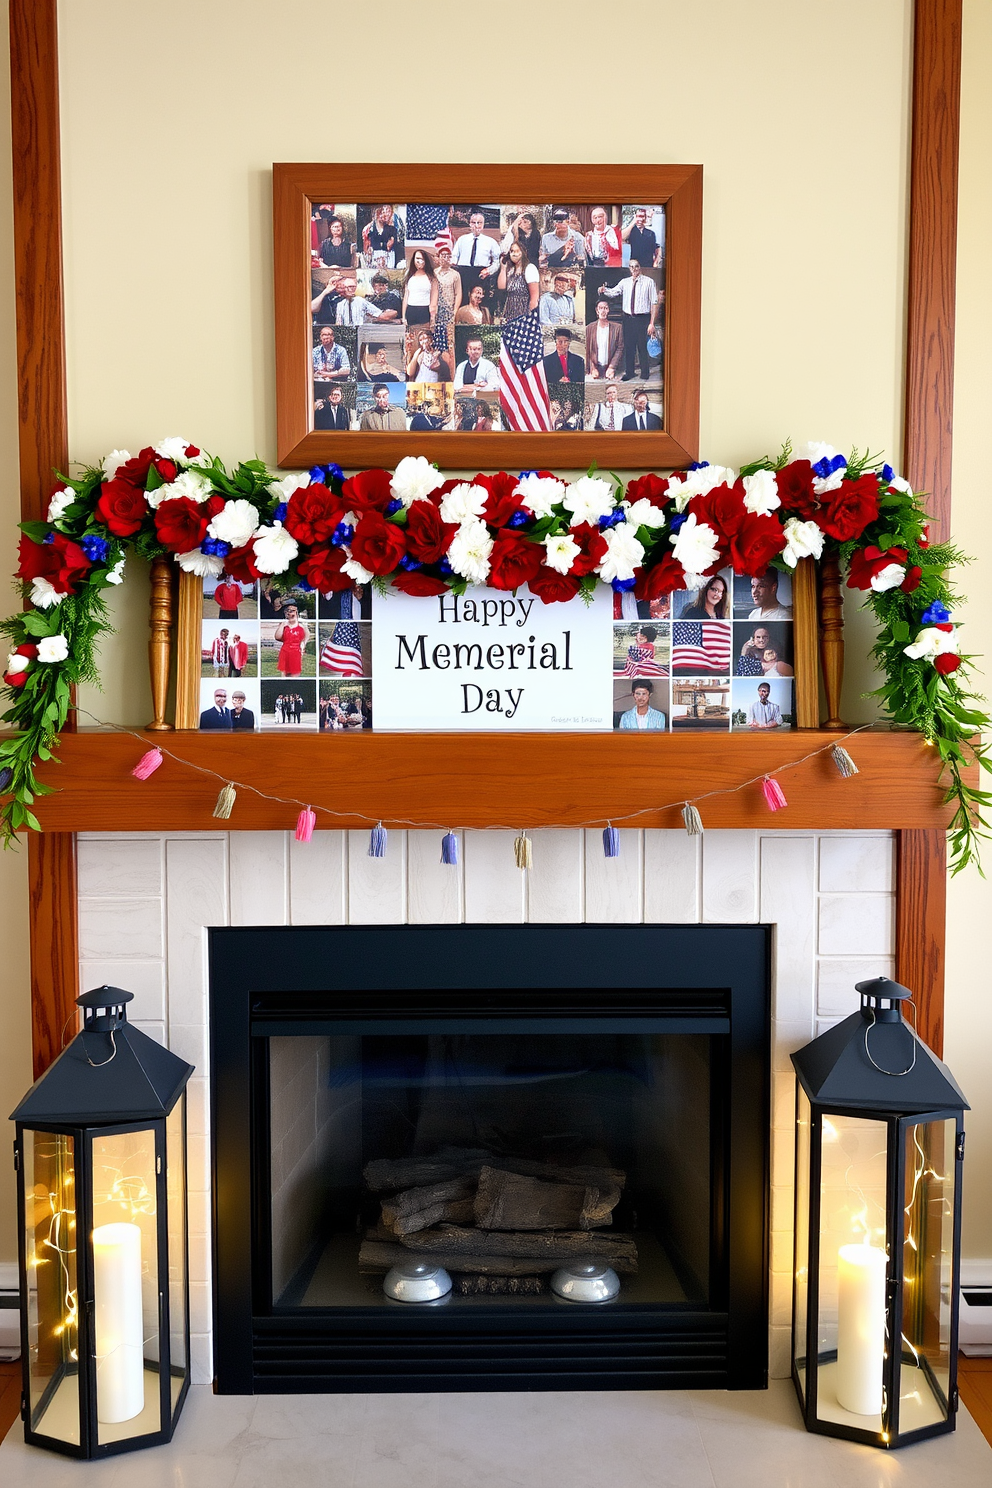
(6, 776)
(393, 507)
(410, 565)
(214, 548)
(526, 472)
(518, 519)
(674, 523)
(888, 475)
(825, 468)
(279, 515)
(343, 533)
(612, 519)
(95, 548)
(302, 584)
(317, 474)
(445, 568)
(699, 464)
(620, 586)
(48, 538)
(935, 614)
(334, 472)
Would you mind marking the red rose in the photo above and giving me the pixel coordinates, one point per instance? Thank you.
(15, 679)
(593, 546)
(912, 579)
(867, 562)
(427, 537)
(167, 469)
(62, 562)
(846, 512)
(438, 496)
(754, 543)
(181, 524)
(37, 560)
(514, 560)
(240, 564)
(501, 503)
(377, 544)
(722, 509)
(923, 541)
(418, 584)
(661, 578)
(945, 663)
(322, 570)
(653, 488)
(368, 491)
(122, 507)
(795, 488)
(312, 514)
(191, 452)
(136, 469)
(26, 648)
(552, 587)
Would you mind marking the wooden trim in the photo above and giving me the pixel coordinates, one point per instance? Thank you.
(805, 659)
(921, 898)
(188, 651)
(294, 186)
(54, 942)
(933, 221)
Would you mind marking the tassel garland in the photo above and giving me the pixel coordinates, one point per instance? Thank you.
(774, 794)
(691, 820)
(148, 764)
(843, 761)
(522, 851)
(305, 823)
(225, 802)
(449, 848)
(611, 842)
(377, 841)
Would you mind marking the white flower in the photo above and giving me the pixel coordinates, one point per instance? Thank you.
(588, 499)
(560, 552)
(761, 492)
(463, 503)
(932, 642)
(204, 565)
(898, 483)
(275, 549)
(803, 540)
(44, 594)
(16, 664)
(890, 577)
(832, 482)
(682, 488)
(814, 450)
(112, 463)
(354, 570)
(235, 523)
(116, 574)
(60, 500)
(414, 479)
(470, 550)
(695, 545)
(643, 513)
(284, 488)
(187, 483)
(623, 553)
(172, 449)
(541, 493)
(53, 648)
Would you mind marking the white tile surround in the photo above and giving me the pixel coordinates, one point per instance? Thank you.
(145, 900)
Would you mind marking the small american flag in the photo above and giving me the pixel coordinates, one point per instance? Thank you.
(641, 663)
(342, 654)
(443, 240)
(701, 646)
(523, 385)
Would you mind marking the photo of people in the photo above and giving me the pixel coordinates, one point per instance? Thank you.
(334, 238)
(333, 355)
(566, 407)
(640, 704)
(229, 706)
(763, 705)
(766, 598)
(477, 359)
(334, 405)
(563, 361)
(346, 604)
(425, 360)
(700, 705)
(635, 291)
(606, 406)
(225, 598)
(643, 234)
(345, 648)
(381, 407)
(228, 648)
(429, 406)
(383, 288)
(475, 413)
(287, 646)
(763, 648)
(710, 602)
(381, 353)
(345, 706)
(641, 650)
(420, 288)
(381, 235)
(276, 594)
(562, 297)
(288, 706)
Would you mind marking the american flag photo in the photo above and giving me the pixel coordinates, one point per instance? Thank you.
(342, 651)
(523, 385)
(641, 663)
(701, 646)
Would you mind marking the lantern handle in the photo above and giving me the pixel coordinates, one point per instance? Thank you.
(912, 1065)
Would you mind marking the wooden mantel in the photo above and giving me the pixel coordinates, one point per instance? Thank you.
(486, 779)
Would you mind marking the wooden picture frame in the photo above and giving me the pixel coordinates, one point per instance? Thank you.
(677, 187)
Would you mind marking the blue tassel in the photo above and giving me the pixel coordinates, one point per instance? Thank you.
(377, 841)
(611, 842)
(449, 848)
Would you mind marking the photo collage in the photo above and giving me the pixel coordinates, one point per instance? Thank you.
(481, 317)
(289, 660)
(717, 658)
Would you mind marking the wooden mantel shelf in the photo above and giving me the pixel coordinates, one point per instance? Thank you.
(476, 780)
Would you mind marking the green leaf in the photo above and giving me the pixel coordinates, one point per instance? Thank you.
(37, 531)
(153, 480)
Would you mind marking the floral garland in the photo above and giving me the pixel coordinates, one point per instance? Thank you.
(426, 535)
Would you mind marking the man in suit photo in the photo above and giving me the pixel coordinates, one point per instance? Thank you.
(219, 716)
(241, 717)
(611, 413)
(640, 420)
(604, 344)
(562, 365)
(331, 412)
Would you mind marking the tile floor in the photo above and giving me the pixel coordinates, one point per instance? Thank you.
(678, 1439)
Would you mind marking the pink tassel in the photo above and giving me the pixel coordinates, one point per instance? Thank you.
(148, 764)
(774, 794)
(305, 823)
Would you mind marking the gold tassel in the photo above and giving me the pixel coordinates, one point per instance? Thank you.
(522, 851)
(844, 762)
(225, 802)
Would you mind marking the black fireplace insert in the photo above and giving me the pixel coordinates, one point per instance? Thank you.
(501, 1101)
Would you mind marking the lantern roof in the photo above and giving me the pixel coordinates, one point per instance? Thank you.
(111, 1072)
(875, 1060)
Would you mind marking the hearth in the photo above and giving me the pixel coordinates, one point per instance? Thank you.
(500, 1101)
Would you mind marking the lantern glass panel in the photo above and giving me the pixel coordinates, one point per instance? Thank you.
(928, 1280)
(851, 1341)
(175, 1167)
(52, 1308)
(802, 1237)
(126, 1285)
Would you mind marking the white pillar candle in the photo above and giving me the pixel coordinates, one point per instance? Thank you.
(120, 1376)
(860, 1328)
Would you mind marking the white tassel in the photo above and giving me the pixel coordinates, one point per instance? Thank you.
(522, 851)
(225, 802)
(844, 762)
(691, 820)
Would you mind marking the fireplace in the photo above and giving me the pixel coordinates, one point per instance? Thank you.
(500, 1100)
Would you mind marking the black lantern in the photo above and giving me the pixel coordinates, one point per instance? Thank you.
(100, 1151)
(879, 1147)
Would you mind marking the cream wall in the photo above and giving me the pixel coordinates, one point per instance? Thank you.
(172, 115)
